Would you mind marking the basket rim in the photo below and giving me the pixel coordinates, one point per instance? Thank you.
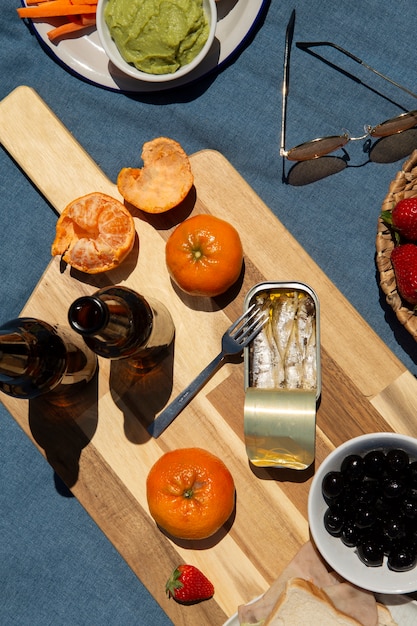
(403, 186)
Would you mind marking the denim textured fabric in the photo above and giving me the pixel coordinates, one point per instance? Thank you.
(56, 567)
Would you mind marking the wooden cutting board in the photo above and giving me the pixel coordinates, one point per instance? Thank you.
(99, 444)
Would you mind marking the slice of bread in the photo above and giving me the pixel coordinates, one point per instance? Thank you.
(384, 616)
(303, 603)
(326, 599)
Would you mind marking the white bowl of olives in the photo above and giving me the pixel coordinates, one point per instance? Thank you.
(362, 511)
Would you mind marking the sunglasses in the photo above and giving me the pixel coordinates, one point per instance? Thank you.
(325, 145)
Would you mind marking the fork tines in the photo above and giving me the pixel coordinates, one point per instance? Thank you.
(250, 325)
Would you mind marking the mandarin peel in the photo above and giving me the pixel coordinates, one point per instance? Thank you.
(164, 180)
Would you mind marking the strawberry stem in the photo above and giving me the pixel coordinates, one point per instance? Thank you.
(386, 217)
(173, 583)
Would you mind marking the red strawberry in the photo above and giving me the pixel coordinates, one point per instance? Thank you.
(188, 585)
(404, 261)
(403, 218)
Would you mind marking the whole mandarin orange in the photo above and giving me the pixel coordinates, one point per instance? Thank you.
(204, 255)
(190, 493)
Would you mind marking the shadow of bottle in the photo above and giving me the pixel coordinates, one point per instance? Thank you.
(63, 423)
(141, 391)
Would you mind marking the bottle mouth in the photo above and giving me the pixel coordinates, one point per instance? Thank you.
(87, 315)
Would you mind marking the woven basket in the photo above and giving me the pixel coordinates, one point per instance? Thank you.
(403, 186)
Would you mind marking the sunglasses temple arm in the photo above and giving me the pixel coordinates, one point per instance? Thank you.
(286, 80)
(304, 45)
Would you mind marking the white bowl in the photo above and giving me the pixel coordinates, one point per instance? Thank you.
(116, 58)
(342, 559)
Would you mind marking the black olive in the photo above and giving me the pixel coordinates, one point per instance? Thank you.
(352, 467)
(384, 507)
(367, 492)
(332, 485)
(409, 507)
(349, 494)
(371, 552)
(365, 516)
(394, 527)
(376, 534)
(393, 486)
(412, 474)
(351, 534)
(397, 460)
(402, 558)
(333, 521)
(411, 533)
(374, 463)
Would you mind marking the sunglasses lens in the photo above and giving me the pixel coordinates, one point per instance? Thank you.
(316, 148)
(395, 125)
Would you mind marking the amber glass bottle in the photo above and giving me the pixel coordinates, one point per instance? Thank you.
(36, 358)
(118, 323)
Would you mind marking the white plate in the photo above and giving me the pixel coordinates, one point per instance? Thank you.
(403, 610)
(85, 57)
(234, 620)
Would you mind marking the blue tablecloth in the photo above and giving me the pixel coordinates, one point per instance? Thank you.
(56, 567)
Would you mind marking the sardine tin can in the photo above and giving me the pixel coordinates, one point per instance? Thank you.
(280, 416)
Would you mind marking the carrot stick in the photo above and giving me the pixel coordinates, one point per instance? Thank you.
(55, 8)
(87, 19)
(65, 29)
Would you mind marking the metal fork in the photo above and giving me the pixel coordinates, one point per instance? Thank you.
(236, 337)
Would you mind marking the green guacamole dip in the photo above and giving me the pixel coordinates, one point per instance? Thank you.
(157, 36)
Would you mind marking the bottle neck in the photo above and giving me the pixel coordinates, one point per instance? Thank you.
(90, 315)
(115, 322)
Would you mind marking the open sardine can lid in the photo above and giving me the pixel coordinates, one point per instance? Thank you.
(280, 427)
(280, 422)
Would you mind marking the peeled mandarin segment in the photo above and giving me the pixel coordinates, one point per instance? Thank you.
(163, 182)
(94, 233)
(85, 252)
